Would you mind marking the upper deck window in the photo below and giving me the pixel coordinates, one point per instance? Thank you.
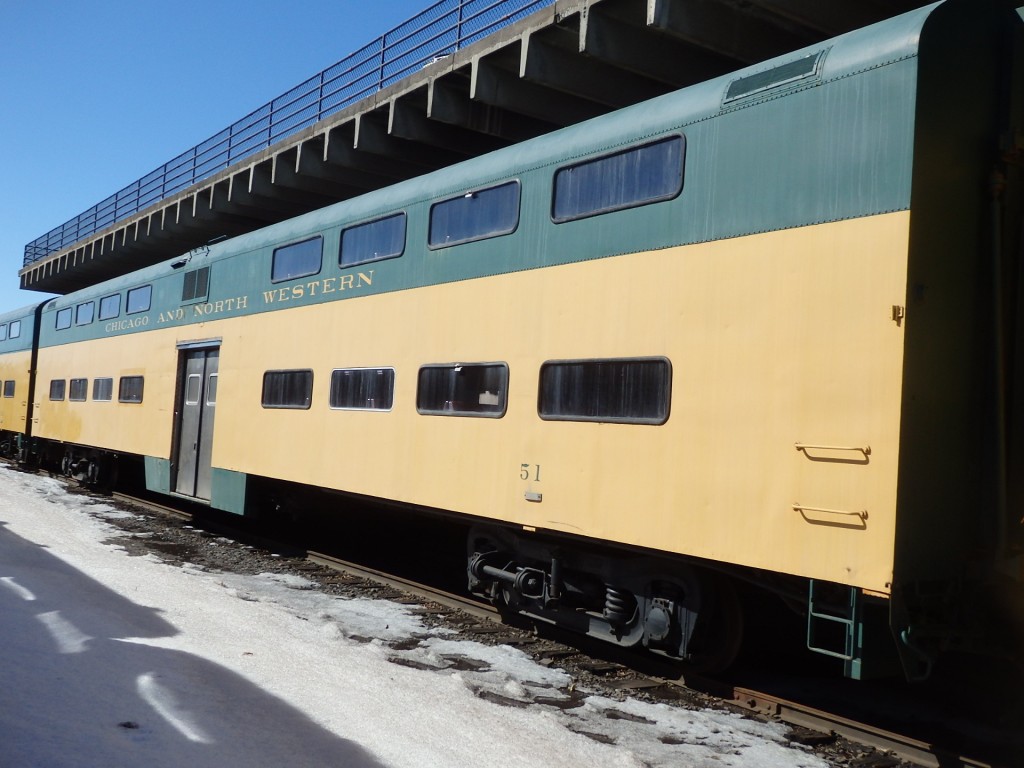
(645, 174)
(475, 215)
(84, 313)
(373, 241)
(110, 307)
(3, 332)
(63, 318)
(297, 260)
(139, 299)
(15, 330)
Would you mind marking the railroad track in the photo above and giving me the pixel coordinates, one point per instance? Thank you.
(815, 723)
(756, 702)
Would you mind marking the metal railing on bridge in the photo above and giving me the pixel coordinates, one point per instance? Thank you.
(439, 31)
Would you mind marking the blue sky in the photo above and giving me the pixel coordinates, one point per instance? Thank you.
(94, 95)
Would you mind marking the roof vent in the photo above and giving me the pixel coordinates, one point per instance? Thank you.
(789, 73)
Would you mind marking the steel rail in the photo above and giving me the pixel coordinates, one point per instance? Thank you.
(447, 599)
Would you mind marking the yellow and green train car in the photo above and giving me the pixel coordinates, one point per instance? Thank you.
(762, 330)
(17, 345)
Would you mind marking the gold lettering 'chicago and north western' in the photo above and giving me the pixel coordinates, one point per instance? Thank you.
(194, 311)
(126, 324)
(319, 287)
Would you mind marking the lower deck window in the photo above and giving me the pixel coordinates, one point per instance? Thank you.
(623, 391)
(288, 389)
(57, 387)
(78, 390)
(363, 388)
(9, 388)
(463, 389)
(130, 389)
(102, 389)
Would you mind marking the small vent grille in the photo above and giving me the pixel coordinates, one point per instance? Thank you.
(784, 74)
(197, 284)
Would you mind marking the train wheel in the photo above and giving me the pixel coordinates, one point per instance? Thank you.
(718, 636)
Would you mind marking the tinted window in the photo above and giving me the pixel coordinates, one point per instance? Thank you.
(9, 388)
(84, 313)
(631, 391)
(130, 389)
(363, 388)
(287, 389)
(626, 179)
(15, 329)
(196, 284)
(381, 239)
(57, 389)
(63, 318)
(103, 389)
(110, 306)
(475, 215)
(297, 260)
(139, 299)
(463, 389)
(78, 390)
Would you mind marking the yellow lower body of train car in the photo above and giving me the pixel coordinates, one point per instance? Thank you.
(144, 428)
(780, 451)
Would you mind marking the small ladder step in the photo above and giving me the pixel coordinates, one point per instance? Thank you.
(835, 625)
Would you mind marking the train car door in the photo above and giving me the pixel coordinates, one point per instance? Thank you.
(196, 409)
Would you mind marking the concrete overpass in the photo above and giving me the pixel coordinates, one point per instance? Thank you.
(569, 61)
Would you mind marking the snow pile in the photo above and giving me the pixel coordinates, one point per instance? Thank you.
(125, 661)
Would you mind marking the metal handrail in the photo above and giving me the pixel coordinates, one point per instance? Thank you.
(445, 27)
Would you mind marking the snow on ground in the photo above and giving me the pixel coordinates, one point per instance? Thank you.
(110, 660)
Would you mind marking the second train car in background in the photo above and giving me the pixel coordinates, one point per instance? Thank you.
(762, 331)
